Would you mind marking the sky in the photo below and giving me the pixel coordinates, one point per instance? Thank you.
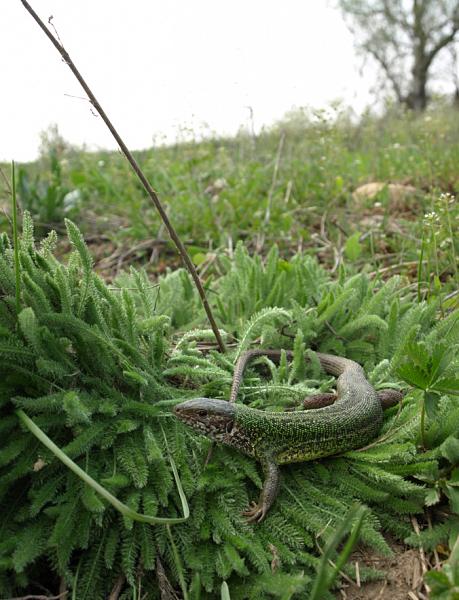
(162, 67)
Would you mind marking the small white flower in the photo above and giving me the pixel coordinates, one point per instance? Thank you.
(447, 197)
(431, 218)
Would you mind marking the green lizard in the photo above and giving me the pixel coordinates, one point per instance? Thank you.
(330, 424)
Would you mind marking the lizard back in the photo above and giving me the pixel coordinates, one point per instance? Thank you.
(351, 422)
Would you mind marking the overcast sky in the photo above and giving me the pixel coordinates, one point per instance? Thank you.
(158, 66)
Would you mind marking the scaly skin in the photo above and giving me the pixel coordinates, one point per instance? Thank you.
(276, 438)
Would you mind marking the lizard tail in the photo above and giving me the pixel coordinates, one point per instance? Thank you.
(335, 365)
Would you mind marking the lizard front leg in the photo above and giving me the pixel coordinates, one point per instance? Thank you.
(257, 511)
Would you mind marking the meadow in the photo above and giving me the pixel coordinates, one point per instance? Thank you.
(102, 333)
(291, 185)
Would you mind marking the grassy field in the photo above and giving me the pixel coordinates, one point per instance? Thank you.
(292, 185)
(95, 354)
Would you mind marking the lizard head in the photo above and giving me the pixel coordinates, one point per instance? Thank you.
(213, 418)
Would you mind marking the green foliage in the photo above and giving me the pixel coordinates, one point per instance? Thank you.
(445, 583)
(47, 199)
(353, 247)
(217, 191)
(98, 370)
(432, 368)
(324, 578)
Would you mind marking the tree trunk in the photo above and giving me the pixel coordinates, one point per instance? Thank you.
(456, 98)
(417, 98)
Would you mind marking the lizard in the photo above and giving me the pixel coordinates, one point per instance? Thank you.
(330, 423)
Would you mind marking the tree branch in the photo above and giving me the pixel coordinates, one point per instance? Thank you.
(151, 193)
(387, 69)
(399, 19)
(444, 41)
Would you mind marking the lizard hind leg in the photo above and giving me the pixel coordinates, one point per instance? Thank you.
(319, 400)
(387, 397)
(257, 511)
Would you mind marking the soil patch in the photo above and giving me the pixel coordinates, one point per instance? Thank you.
(402, 578)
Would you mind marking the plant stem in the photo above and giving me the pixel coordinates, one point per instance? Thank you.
(437, 267)
(421, 259)
(137, 170)
(122, 508)
(423, 419)
(17, 266)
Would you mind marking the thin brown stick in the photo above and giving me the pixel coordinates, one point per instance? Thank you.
(39, 597)
(116, 591)
(166, 590)
(422, 555)
(397, 267)
(435, 553)
(381, 591)
(357, 573)
(63, 587)
(135, 167)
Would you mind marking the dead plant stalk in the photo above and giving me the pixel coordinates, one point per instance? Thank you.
(137, 170)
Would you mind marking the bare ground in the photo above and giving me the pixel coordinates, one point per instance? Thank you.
(402, 580)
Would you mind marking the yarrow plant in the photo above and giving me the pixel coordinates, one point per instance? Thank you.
(98, 372)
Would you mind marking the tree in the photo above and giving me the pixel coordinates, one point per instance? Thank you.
(404, 37)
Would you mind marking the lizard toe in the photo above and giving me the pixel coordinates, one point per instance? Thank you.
(255, 513)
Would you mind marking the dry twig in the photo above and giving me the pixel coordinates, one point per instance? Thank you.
(166, 590)
(435, 553)
(422, 554)
(39, 597)
(357, 573)
(137, 170)
(116, 591)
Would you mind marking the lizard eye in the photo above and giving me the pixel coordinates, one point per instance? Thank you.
(202, 413)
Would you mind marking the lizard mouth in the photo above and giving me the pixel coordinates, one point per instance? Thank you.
(212, 418)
